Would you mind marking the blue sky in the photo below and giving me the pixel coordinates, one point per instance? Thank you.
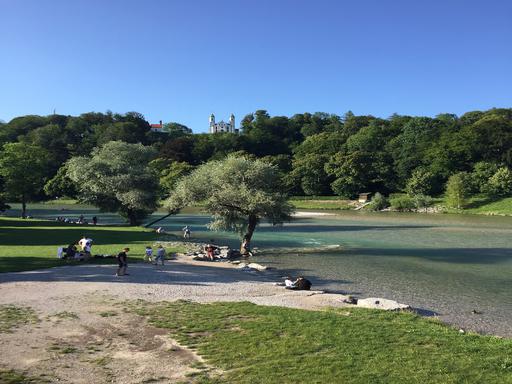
(182, 60)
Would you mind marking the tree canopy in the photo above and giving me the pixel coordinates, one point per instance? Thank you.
(23, 169)
(117, 178)
(238, 192)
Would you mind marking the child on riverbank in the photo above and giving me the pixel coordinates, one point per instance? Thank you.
(122, 259)
(148, 256)
(160, 255)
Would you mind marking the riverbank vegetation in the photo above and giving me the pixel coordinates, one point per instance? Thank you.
(317, 154)
(257, 344)
(32, 244)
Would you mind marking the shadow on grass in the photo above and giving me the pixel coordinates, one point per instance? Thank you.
(480, 202)
(39, 232)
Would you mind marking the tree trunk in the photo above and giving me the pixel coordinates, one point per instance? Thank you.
(132, 218)
(160, 219)
(253, 221)
(23, 207)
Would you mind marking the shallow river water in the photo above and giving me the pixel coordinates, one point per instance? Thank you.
(450, 265)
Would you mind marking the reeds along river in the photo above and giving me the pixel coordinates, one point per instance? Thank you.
(452, 265)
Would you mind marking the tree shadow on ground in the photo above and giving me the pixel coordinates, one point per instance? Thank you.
(477, 203)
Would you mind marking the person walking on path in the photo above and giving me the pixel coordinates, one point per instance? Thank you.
(94, 220)
(122, 259)
(160, 255)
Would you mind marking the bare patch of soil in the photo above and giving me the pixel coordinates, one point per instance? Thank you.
(76, 344)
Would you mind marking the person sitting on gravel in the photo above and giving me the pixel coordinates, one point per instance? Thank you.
(301, 284)
(288, 282)
(210, 251)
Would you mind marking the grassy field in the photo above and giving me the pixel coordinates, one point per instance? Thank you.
(32, 244)
(257, 344)
(484, 205)
(320, 202)
(478, 205)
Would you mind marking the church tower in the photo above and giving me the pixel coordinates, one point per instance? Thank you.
(212, 123)
(232, 123)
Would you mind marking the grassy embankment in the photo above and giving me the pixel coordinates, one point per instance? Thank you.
(32, 244)
(320, 202)
(478, 204)
(257, 344)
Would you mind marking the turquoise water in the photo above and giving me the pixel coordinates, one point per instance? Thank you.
(447, 264)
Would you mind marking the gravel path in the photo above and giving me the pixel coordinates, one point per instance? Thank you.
(84, 336)
(201, 282)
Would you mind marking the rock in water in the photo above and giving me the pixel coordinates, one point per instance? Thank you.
(378, 303)
(257, 266)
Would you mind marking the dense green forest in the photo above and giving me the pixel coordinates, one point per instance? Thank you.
(318, 154)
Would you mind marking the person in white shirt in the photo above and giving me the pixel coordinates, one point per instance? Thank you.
(86, 244)
(288, 282)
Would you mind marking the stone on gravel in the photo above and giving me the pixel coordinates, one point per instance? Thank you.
(379, 303)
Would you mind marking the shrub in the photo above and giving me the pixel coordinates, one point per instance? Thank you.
(379, 202)
(500, 184)
(423, 202)
(402, 203)
(482, 172)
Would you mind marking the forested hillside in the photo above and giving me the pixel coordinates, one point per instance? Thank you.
(319, 154)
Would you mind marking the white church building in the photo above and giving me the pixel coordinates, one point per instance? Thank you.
(222, 126)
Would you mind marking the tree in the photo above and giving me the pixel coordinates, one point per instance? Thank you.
(456, 190)
(482, 172)
(60, 185)
(237, 191)
(308, 172)
(24, 170)
(169, 176)
(117, 178)
(500, 184)
(420, 183)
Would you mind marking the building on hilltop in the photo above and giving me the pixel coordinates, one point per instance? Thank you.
(159, 128)
(222, 126)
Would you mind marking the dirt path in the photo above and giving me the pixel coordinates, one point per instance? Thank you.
(84, 335)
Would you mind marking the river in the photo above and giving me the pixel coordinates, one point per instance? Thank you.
(446, 265)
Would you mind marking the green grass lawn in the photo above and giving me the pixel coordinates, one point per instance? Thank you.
(258, 344)
(484, 205)
(320, 202)
(32, 244)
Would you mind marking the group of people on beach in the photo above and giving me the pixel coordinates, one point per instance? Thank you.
(80, 220)
(72, 252)
(122, 258)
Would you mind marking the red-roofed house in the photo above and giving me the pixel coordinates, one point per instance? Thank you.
(157, 127)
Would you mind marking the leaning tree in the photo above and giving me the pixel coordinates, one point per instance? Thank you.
(238, 192)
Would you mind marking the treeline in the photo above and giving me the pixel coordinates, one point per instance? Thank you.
(318, 154)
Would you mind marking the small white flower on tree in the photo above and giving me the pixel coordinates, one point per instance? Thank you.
(238, 192)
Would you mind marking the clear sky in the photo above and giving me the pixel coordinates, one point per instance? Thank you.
(180, 60)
